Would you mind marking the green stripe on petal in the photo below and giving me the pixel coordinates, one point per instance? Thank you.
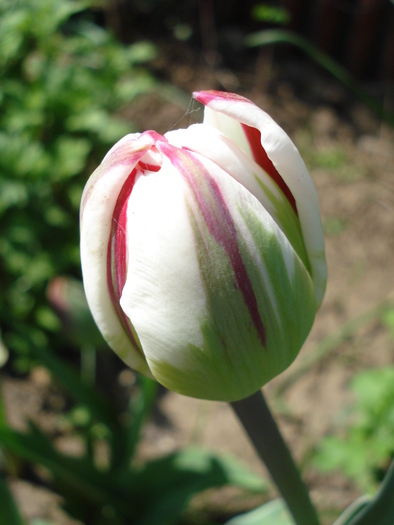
(221, 368)
(288, 221)
(220, 149)
(286, 160)
(294, 292)
(231, 362)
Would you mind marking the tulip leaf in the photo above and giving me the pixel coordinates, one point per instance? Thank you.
(379, 510)
(153, 494)
(272, 513)
(126, 437)
(168, 483)
(353, 510)
(85, 489)
(9, 512)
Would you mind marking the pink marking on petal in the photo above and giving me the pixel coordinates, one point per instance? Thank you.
(156, 137)
(260, 156)
(253, 136)
(126, 154)
(205, 97)
(117, 255)
(149, 167)
(220, 223)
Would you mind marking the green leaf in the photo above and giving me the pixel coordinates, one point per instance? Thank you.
(175, 469)
(71, 155)
(141, 52)
(366, 446)
(351, 512)
(50, 15)
(270, 14)
(9, 514)
(12, 193)
(168, 483)
(272, 513)
(75, 478)
(154, 494)
(125, 437)
(380, 509)
(100, 123)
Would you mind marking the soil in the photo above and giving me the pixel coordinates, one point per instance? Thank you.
(350, 154)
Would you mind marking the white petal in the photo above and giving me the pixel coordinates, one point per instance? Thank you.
(183, 228)
(230, 127)
(163, 295)
(288, 162)
(220, 149)
(99, 201)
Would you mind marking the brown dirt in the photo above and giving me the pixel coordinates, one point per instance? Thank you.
(350, 155)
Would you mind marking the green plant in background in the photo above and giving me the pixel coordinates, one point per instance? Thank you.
(267, 13)
(271, 37)
(366, 447)
(62, 81)
(111, 488)
(365, 450)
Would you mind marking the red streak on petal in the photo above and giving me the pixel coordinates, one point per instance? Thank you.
(220, 223)
(149, 167)
(127, 154)
(222, 227)
(154, 136)
(205, 97)
(260, 156)
(117, 254)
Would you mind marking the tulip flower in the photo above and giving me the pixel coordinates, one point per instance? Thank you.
(202, 251)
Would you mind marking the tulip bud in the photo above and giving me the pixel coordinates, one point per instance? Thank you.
(203, 252)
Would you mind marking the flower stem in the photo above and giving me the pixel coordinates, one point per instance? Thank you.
(263, 432)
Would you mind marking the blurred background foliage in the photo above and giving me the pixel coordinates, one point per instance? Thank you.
(362, 446)
(64, 80)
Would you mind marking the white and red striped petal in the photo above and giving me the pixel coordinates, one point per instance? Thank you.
(259, 136)
(103, 254)
(197, 254)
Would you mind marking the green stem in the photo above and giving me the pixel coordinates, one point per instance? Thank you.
(263, 432)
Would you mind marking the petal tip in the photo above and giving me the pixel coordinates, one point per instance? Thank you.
(205, 97)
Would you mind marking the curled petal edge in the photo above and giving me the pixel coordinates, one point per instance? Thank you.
(288, 162)
(97, 208)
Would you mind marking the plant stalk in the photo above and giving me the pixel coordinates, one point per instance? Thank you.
(257, 420)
